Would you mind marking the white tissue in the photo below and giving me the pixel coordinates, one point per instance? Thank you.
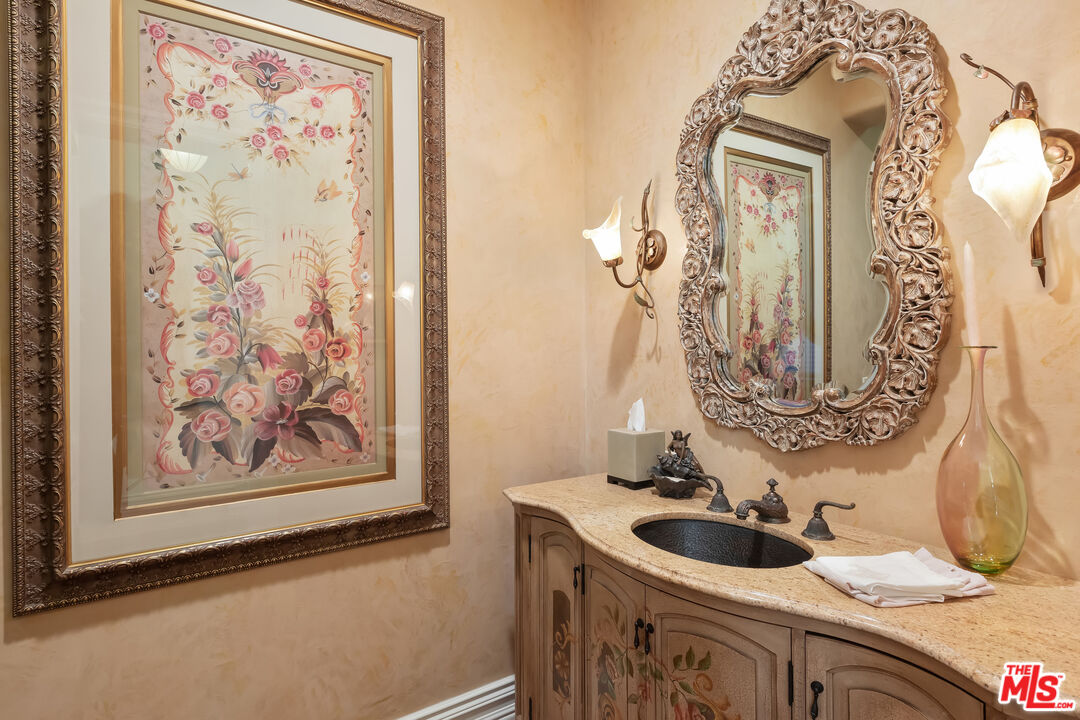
(636, 421)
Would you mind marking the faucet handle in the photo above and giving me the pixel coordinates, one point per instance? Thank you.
(830, 503)
(772, 495)
(817, 528)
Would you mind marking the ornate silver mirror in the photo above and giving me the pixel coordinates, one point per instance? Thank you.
(816, 291)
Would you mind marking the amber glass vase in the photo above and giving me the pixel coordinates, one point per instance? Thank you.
(981, 500)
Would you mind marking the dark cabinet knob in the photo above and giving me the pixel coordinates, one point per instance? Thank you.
(649, 630)
(577, 569)
(637, 626)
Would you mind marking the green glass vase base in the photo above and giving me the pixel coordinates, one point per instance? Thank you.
(985, 566)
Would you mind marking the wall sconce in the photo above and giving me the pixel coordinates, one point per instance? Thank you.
(651, 248)
(1021, 169)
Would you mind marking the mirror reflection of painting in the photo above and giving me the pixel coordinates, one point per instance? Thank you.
(774, 235)
(793, 176)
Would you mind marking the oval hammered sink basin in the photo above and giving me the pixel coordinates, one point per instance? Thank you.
(720, 543)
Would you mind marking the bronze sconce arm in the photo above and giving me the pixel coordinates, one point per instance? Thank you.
(1059, 147)
(650, 253)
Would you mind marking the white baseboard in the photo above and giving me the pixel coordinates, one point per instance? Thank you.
(494, 701)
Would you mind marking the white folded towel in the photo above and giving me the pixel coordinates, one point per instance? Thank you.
(898, 579)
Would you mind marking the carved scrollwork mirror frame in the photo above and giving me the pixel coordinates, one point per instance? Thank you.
(792, 38)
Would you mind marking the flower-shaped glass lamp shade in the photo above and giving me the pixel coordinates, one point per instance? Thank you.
(183, 161)
(606, 238)
(1011, 175)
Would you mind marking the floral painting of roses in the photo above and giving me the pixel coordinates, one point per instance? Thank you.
(771, 313)
(255, 330)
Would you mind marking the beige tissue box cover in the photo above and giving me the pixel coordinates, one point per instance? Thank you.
(631, 454)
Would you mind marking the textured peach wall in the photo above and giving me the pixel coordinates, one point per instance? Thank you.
(379, 631)
(647, 62)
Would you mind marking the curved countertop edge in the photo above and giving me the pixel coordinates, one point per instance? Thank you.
(930, 644)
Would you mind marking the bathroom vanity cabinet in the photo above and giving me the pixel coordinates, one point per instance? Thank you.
(608, 628)
(598, 643)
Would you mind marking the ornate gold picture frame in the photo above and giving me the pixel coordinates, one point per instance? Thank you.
(780, 49)
(274, 354)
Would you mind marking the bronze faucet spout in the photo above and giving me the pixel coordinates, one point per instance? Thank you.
(771, 508)
(743, 510)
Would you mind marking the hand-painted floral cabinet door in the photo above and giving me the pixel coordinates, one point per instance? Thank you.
(709, 664)
(616, 679)
(850, 682)
(557, 566)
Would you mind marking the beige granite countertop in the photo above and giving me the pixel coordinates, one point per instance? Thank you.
(1031, 617)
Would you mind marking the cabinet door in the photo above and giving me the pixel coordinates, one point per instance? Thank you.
(556, 567)
(616, 684)
(710, 664)
(860, 683)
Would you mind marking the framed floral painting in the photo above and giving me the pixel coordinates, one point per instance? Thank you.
(776, 182)
(259, 204)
